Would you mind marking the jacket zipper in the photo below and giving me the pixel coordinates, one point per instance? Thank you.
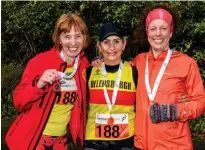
(146, 145)
(81, 104)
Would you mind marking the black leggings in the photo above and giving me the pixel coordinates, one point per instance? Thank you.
(126, 144)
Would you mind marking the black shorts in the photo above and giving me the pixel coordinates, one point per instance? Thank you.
(126, 144)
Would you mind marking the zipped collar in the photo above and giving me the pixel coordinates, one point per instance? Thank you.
(161, 56)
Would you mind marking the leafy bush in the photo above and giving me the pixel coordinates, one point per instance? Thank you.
(11, 75)
(198, 125)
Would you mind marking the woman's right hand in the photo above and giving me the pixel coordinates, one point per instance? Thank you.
(49, 76)
(131, 63)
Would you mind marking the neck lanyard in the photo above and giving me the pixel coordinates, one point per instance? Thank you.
(152, 94)
(62, 74)
(116, 86)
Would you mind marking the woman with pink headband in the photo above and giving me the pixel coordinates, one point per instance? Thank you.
(164, 75)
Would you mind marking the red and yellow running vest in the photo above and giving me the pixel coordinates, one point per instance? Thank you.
(117, 124)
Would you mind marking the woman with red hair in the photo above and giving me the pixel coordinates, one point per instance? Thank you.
(51, 97)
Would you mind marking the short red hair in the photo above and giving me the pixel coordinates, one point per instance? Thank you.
(64, 24)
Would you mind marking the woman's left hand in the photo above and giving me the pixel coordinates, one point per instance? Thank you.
(183, 98)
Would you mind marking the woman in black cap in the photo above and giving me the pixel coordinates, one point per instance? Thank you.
(112, 87)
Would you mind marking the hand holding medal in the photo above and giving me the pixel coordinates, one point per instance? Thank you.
(51, 77)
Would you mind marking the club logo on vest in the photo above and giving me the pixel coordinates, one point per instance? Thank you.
(97, 72)
(68, 73)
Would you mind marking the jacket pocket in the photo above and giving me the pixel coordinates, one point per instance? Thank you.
(15, 124)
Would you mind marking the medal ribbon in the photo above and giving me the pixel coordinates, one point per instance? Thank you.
(116, 86)
(62, 74)
(152, 94)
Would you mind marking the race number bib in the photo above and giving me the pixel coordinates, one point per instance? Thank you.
(65, 98)
(112, 126)
(68, 94)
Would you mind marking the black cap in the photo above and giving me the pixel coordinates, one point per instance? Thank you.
(109, 29)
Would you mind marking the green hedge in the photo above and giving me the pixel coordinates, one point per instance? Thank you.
(10, 78)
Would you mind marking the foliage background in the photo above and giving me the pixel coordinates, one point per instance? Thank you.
(27, 28)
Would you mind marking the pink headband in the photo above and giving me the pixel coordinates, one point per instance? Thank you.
(159, 14)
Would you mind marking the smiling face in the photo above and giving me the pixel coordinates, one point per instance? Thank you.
(111, 49)
(71, 43)
(70, 35)
(159, 35)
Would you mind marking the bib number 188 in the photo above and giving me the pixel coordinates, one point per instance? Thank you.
(108, 131)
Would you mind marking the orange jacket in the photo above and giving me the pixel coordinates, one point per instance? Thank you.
(181, 76)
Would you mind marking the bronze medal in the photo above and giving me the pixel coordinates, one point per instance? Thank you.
(56, 87)
(110, 121)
